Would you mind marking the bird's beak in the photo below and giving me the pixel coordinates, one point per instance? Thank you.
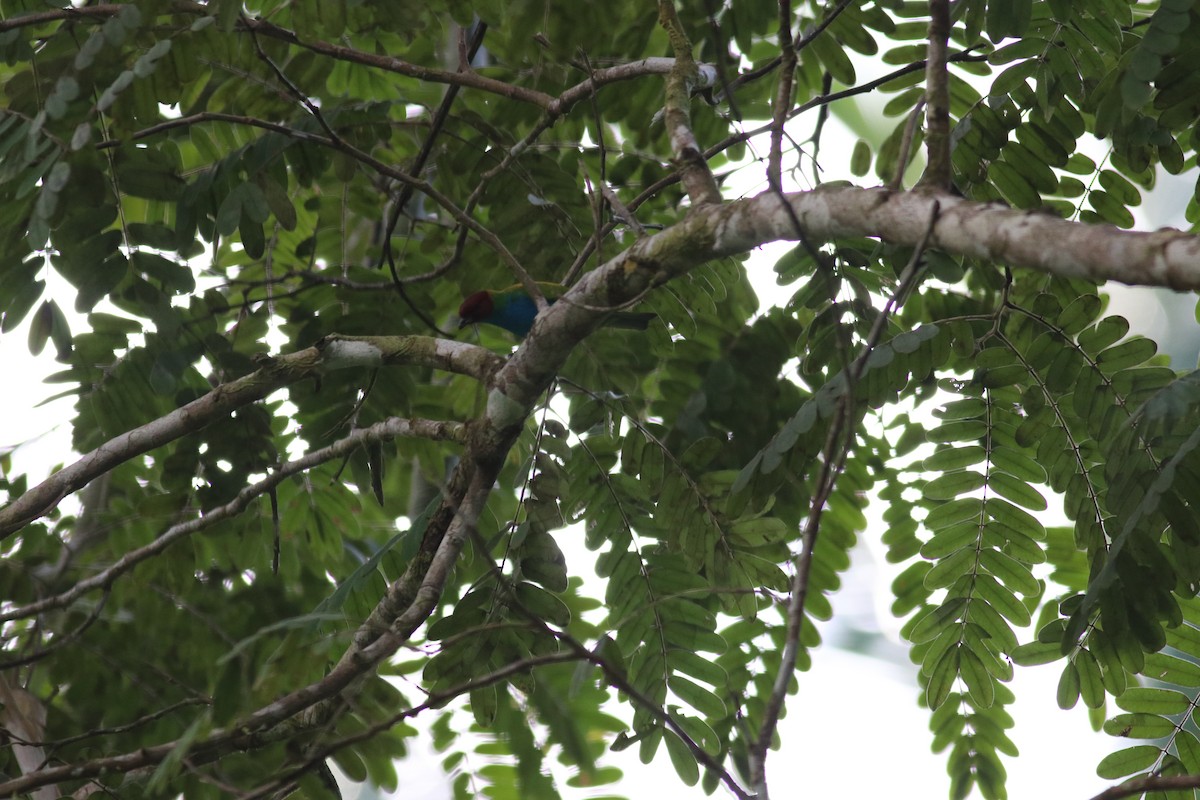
(462, 323)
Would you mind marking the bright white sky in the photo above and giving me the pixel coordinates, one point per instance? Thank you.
(880, 747)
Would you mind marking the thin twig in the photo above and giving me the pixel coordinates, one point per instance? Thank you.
(418, 165)
(137, 723)
(620, 211)
(596, 205)
(905, 152)
(710, 8)
(819, 127)
(292, 88)
(835, 452)
(803, 42)
(59, 641)
(783, 108)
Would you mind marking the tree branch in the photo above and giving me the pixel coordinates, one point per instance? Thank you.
(737, 138)
(783, 97)
(937, 100)
(336, 352)
(1149, 783)
(393, 427)
(697, 178)
(836, 450)
(803, 42)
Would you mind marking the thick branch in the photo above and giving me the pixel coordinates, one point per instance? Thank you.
(987, 231)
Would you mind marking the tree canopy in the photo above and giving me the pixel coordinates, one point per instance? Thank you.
(304, 509)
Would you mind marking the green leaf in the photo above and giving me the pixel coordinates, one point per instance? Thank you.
(951, 568)
(1091, 686)
(941, 679)
(1002, 600)
(947, 459)
(170, 766)
(1013, 186)
(978, 679)
(682, 758)
(1034, 653)
(28, 293)
(39, 329)
(1146, 700)
(1010, 572)
(1127, 761)
(697, 666)
(410, 538)
(860, 159)
(937, 619)
(1127, 354)
(1169, 669)
(1188, 748)
(697, 697)
(1139, 726)
(950, 540)
(1009, 19)
(1068, 686)
(951, 485)
(1016, 490)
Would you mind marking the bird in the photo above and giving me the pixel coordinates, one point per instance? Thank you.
(514, 310)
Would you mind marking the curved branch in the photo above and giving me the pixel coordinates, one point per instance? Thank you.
(978, 230)
(393, 427)
(336, 352)
(464, 78)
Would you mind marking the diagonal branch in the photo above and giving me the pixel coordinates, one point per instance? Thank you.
(1135, 787)
(434, 430)
(272, 374)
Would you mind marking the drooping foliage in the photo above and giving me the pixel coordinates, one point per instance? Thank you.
(185, 187)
